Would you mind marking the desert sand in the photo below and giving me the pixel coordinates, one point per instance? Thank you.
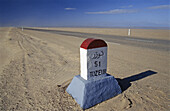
(36, 68)
(139, 33)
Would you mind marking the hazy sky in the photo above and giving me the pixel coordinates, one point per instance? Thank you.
(102, 13)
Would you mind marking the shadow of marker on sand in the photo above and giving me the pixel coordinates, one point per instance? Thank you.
(126, 82)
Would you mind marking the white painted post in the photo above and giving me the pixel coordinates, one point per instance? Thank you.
(93, 85)
(22, 29)
(129, 32)
(93, 58)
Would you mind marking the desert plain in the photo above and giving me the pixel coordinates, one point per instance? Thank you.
(36, 67)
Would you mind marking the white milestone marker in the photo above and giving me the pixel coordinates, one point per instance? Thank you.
(93, 85)
(129, 32)
(93, 58)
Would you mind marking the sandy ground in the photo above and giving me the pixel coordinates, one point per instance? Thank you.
(140, 33)
(36, 68)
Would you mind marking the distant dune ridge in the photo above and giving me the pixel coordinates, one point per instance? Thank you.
(36, 68)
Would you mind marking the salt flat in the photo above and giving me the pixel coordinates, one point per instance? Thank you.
(37, 66)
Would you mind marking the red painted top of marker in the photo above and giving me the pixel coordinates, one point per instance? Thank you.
(91, 43)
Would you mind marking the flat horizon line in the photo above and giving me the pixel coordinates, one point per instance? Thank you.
(119, 27)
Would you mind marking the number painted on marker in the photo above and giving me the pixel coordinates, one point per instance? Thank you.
(97, 63)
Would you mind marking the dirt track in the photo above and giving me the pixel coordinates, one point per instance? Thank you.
(36, 68)
(28, 82)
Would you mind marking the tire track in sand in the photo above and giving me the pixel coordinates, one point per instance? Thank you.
(26, 80)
